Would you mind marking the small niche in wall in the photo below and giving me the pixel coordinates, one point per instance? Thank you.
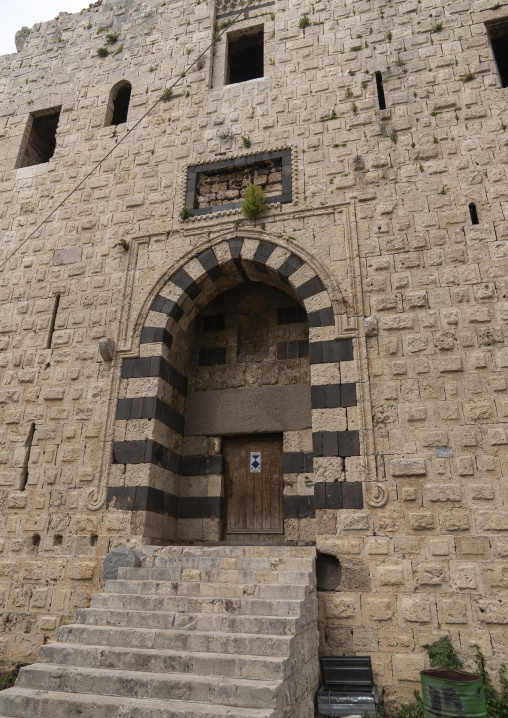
(39, 140)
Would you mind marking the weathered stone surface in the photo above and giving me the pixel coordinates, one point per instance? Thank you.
(119, 558)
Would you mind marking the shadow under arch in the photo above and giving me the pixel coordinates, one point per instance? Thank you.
(150, 413)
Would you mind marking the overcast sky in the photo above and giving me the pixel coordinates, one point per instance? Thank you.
(16, 13)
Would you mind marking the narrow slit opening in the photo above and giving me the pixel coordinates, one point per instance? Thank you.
(28, 450)
(53, 320)
(380, 91)
(474, 214)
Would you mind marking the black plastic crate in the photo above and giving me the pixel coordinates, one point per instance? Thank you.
(345, 673)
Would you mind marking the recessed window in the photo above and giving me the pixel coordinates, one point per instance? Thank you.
(39, 140)
(245, 55)
(223, 183)
(57, 540)
(118, 105)
(94, 540)
(498, 34)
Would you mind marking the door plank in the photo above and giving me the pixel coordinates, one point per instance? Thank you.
(254, 499)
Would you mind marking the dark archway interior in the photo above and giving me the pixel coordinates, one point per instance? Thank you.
(245, 57)
(121, 105)
(251, 336)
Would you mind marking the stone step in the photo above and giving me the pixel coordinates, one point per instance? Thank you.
(203, 641)
(231, 551)
(147, 660)
(212, 689)
(27, 703)
(224, 623)
(291, 578)
(198, 588)
(197, 604)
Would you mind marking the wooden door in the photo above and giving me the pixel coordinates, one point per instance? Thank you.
(254, 484)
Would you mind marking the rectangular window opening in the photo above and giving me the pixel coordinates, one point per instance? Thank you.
(39, 141)
(245, 53)
(498, 35)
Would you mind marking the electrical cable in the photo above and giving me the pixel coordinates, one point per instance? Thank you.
(162, 98)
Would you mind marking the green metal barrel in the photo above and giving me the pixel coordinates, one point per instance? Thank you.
(452, 694)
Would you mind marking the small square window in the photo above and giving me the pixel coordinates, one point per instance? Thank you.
(245, 55)
(498, 34)
(39, 141)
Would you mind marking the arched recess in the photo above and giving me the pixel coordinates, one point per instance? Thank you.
(118, 103)
(150, 427)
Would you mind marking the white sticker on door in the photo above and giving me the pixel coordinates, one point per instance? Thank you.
(255, 462)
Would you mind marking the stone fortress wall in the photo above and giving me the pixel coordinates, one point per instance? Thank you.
(379, 221)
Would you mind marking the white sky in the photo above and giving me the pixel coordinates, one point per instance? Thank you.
(16, 13)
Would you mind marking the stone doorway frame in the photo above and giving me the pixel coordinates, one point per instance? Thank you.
(172, 305)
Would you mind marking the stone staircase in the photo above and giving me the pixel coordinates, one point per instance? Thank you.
(195, 632)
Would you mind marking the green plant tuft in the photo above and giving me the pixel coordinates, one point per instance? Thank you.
(304, 22)
(254, 201)
(185, 213)
(442, 654)
(437, 27)
(102, 52)
(410, 710)
(468, 77)
(120, 48)
(247, 142)
(8, 679)
(124, 244)
(112, 37)
(166, 96)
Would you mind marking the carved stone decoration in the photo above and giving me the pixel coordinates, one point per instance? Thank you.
(222, 6)
(107, 348)
(371, 328)
(376, 495)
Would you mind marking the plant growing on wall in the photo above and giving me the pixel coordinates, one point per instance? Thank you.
(112, 37)
(304, 22)
(185, 213)
(124, 244)
(442, 654)
(254, 202)
(102, 52)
